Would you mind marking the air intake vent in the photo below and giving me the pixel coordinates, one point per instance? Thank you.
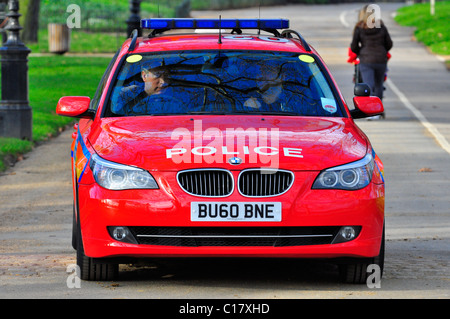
(206, 182)
(264, 182)
(234, 236)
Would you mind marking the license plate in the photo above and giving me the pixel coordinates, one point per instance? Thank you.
(229, 212)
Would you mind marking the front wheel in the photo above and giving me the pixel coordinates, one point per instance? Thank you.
(90, 270)
(356, 272)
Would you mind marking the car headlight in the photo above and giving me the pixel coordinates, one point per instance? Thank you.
(350, 176)
(118, 177)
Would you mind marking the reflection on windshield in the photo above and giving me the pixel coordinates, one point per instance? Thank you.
(221, 82)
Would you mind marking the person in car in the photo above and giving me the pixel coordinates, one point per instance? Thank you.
(144, 97)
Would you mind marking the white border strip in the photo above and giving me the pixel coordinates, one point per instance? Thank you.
(422, 119)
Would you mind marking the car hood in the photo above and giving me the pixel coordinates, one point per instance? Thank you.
(186, 142)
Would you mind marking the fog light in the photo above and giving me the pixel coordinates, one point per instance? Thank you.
(346, 233)
(122, 234)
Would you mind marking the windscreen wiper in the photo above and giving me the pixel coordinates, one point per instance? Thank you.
(206, 113)
(267, 113)
(242, 113)
(281, 113)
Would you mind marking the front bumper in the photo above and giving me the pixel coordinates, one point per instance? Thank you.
(169, 208)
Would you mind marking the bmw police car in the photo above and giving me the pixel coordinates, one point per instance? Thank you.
(235, 143)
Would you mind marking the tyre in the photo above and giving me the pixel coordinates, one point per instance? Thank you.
(74, 229)
(90, 270)
(355, 272)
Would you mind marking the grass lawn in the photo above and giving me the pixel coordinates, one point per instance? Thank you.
(433, 31)
(50, 78)
(55, 76)
(11, 149)
(83, 42)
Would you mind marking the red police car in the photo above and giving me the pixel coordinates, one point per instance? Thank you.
(235, 143)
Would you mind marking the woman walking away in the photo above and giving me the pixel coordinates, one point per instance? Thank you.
(371, 42)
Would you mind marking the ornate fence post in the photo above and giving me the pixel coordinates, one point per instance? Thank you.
(15, 112)
(134, 21)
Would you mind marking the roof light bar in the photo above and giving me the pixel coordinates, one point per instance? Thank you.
(184, 23)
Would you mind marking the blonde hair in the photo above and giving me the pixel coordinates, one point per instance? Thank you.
(363, 17)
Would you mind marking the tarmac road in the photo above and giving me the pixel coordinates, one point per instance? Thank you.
(36, 200)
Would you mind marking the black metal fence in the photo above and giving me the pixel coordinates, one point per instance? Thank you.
(105, 20)
(107, 17)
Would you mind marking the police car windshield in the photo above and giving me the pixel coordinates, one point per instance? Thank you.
(222, 82)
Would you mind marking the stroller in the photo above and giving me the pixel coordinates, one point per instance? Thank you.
(357, 78)
(353, 59)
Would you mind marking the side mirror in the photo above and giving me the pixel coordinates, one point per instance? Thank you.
(361, 89)
(74, 106)
(366, 106)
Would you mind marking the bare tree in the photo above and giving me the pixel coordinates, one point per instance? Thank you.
(31, 26)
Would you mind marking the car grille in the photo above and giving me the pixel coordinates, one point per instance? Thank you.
(220, 183)
(263, 183)
(208, 183)
(234, 236)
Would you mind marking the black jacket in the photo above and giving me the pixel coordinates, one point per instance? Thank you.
(371, 44)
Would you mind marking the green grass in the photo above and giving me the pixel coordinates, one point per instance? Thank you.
(57, 76)
(11, 149)
(433, 31)
(50, 78)
(83, 42)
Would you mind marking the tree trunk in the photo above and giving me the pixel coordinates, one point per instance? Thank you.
(31, 27)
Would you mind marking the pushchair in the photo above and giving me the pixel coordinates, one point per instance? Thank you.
(357, 78)
(353, 59)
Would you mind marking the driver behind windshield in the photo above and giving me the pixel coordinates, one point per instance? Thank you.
(143, 96)
(241, 82)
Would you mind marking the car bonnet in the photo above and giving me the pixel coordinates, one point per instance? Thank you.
(175, 143)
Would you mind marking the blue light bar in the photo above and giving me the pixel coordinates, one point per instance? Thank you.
(182, 23)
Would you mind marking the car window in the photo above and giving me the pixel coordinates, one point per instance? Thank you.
(96, 99)
(222, 82)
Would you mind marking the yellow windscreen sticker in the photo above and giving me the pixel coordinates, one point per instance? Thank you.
(306, 58)
(134, 58)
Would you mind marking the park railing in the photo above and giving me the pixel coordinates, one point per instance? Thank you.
(105, 16)
(105, 20)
